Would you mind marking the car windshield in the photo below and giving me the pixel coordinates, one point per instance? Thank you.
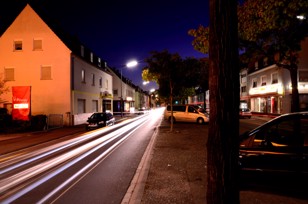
(98, 116)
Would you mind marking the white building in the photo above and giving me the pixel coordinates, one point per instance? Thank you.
(268, 89)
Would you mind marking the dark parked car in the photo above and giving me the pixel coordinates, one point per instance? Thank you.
(278, 147)
(97, 120)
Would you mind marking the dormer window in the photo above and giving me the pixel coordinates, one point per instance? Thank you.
(82, 51)
(99, 62)
(91, 57)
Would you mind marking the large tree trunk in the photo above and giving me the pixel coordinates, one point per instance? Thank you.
(295, 94)
(222, 145)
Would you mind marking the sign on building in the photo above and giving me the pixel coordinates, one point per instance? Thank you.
(21, 102)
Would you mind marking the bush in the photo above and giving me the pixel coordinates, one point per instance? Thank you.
(38, 122)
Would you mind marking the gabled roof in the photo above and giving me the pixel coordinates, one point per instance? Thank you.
(8, 16)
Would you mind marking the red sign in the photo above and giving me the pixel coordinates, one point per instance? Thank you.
(21, 102)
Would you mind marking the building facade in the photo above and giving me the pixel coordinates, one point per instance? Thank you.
(268, 89)
(65, 77)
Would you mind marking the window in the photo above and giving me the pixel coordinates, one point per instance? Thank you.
(275, 78)
(263, 80)
(243, 89)
(46, 73)
(115, 92)
(9, 74)
(17, 45)
(91, 57)
(303, 76)
(94, 106)
(106, 84)
(99, 62)
(81, 105)
(243, 78)
(37, 44)
(100, 82)
(83, 76)
(93, 79)
(254, 82)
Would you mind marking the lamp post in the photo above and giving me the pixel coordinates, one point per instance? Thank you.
(128, 65)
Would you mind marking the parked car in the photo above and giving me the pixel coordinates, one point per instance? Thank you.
(97, 120)
(245, 113)
(278, 147)
(186, 113)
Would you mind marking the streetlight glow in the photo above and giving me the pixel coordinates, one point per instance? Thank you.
(131, 63)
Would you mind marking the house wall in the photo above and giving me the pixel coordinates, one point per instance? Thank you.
(47, 96)
(88, 91)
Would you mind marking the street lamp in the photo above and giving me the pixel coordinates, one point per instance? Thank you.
(128, 65)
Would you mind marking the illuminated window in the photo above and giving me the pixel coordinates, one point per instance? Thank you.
(274, 78)
(17, 45)
(83, 76)
(37, 44)
(93, 79)
(254, 82)
(9, 74)
(91, 57)
(263, 80)
(46, 73)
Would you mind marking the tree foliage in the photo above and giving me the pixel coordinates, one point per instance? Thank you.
(265, 29)
(3, 87)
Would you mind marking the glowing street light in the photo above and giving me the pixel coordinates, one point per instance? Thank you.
(128, 65)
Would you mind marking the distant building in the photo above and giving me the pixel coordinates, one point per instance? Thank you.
(267, 88)
(65, 77)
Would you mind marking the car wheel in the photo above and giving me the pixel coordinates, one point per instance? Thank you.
(200, 121)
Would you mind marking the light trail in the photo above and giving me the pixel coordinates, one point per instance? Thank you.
(81, 152)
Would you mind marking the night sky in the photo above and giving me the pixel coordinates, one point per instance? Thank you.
(119, 31)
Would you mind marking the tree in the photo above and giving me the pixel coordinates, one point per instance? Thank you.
(3, 87)
(266, 28)
(269, 27)
(222, 145)
(165, 69)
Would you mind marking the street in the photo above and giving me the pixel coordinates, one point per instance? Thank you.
(100, 165)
